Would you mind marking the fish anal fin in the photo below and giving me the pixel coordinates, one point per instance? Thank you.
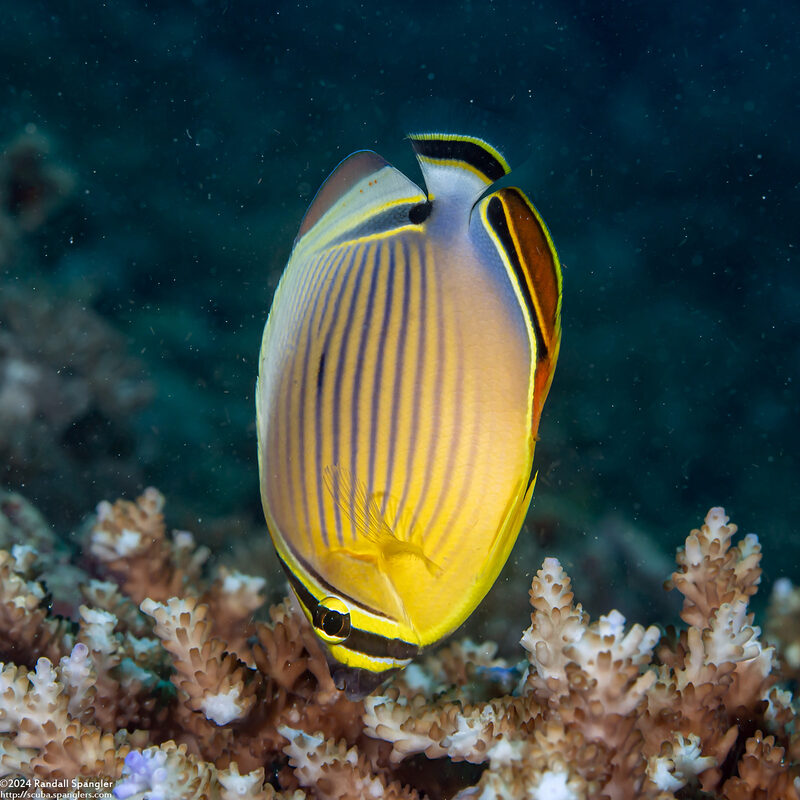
(536, 266)
(507, 533)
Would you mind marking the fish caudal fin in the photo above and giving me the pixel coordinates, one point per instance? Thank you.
(457, 164)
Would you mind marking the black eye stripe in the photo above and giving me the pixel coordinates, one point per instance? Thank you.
(323, 583)
(360, 641)
(303, 595)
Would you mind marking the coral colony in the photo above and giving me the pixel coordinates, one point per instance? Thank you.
(163, 686)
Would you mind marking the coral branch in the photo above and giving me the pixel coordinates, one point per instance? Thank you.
(190, 697)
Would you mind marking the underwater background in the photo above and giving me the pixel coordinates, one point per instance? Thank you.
(157, 159)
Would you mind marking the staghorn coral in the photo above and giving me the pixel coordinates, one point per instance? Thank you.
(29, 632)
(22, 525)
(598, 716)
(163, 686)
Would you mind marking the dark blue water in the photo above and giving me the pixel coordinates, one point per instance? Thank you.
(180, 144)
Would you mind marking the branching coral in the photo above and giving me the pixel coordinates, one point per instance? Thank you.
(164, 686)
(28, 630)
(598, 716)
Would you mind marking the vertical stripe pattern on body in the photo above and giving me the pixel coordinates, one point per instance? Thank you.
(404, 365)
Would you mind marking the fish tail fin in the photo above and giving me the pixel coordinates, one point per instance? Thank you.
(455, 164)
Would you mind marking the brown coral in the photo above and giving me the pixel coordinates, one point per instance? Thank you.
(28, 631)
(603, 710)
(636, 728)
(130, 540)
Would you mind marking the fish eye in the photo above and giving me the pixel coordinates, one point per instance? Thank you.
(332, 620)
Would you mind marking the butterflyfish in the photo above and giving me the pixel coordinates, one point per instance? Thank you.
(404, 364)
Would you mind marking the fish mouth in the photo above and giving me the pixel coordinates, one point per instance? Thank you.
(356, 682)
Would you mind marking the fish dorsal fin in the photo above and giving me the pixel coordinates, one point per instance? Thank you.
(347, 174)
(456, 166)
(525, 244)
(364, 189)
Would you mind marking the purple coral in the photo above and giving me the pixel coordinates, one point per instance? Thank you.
(144, 772)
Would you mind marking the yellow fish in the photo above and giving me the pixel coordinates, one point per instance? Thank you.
(404, 365)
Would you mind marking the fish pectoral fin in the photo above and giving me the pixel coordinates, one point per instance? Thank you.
(407, 535)
(400, 522)
(357, 504)
(375, 518)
